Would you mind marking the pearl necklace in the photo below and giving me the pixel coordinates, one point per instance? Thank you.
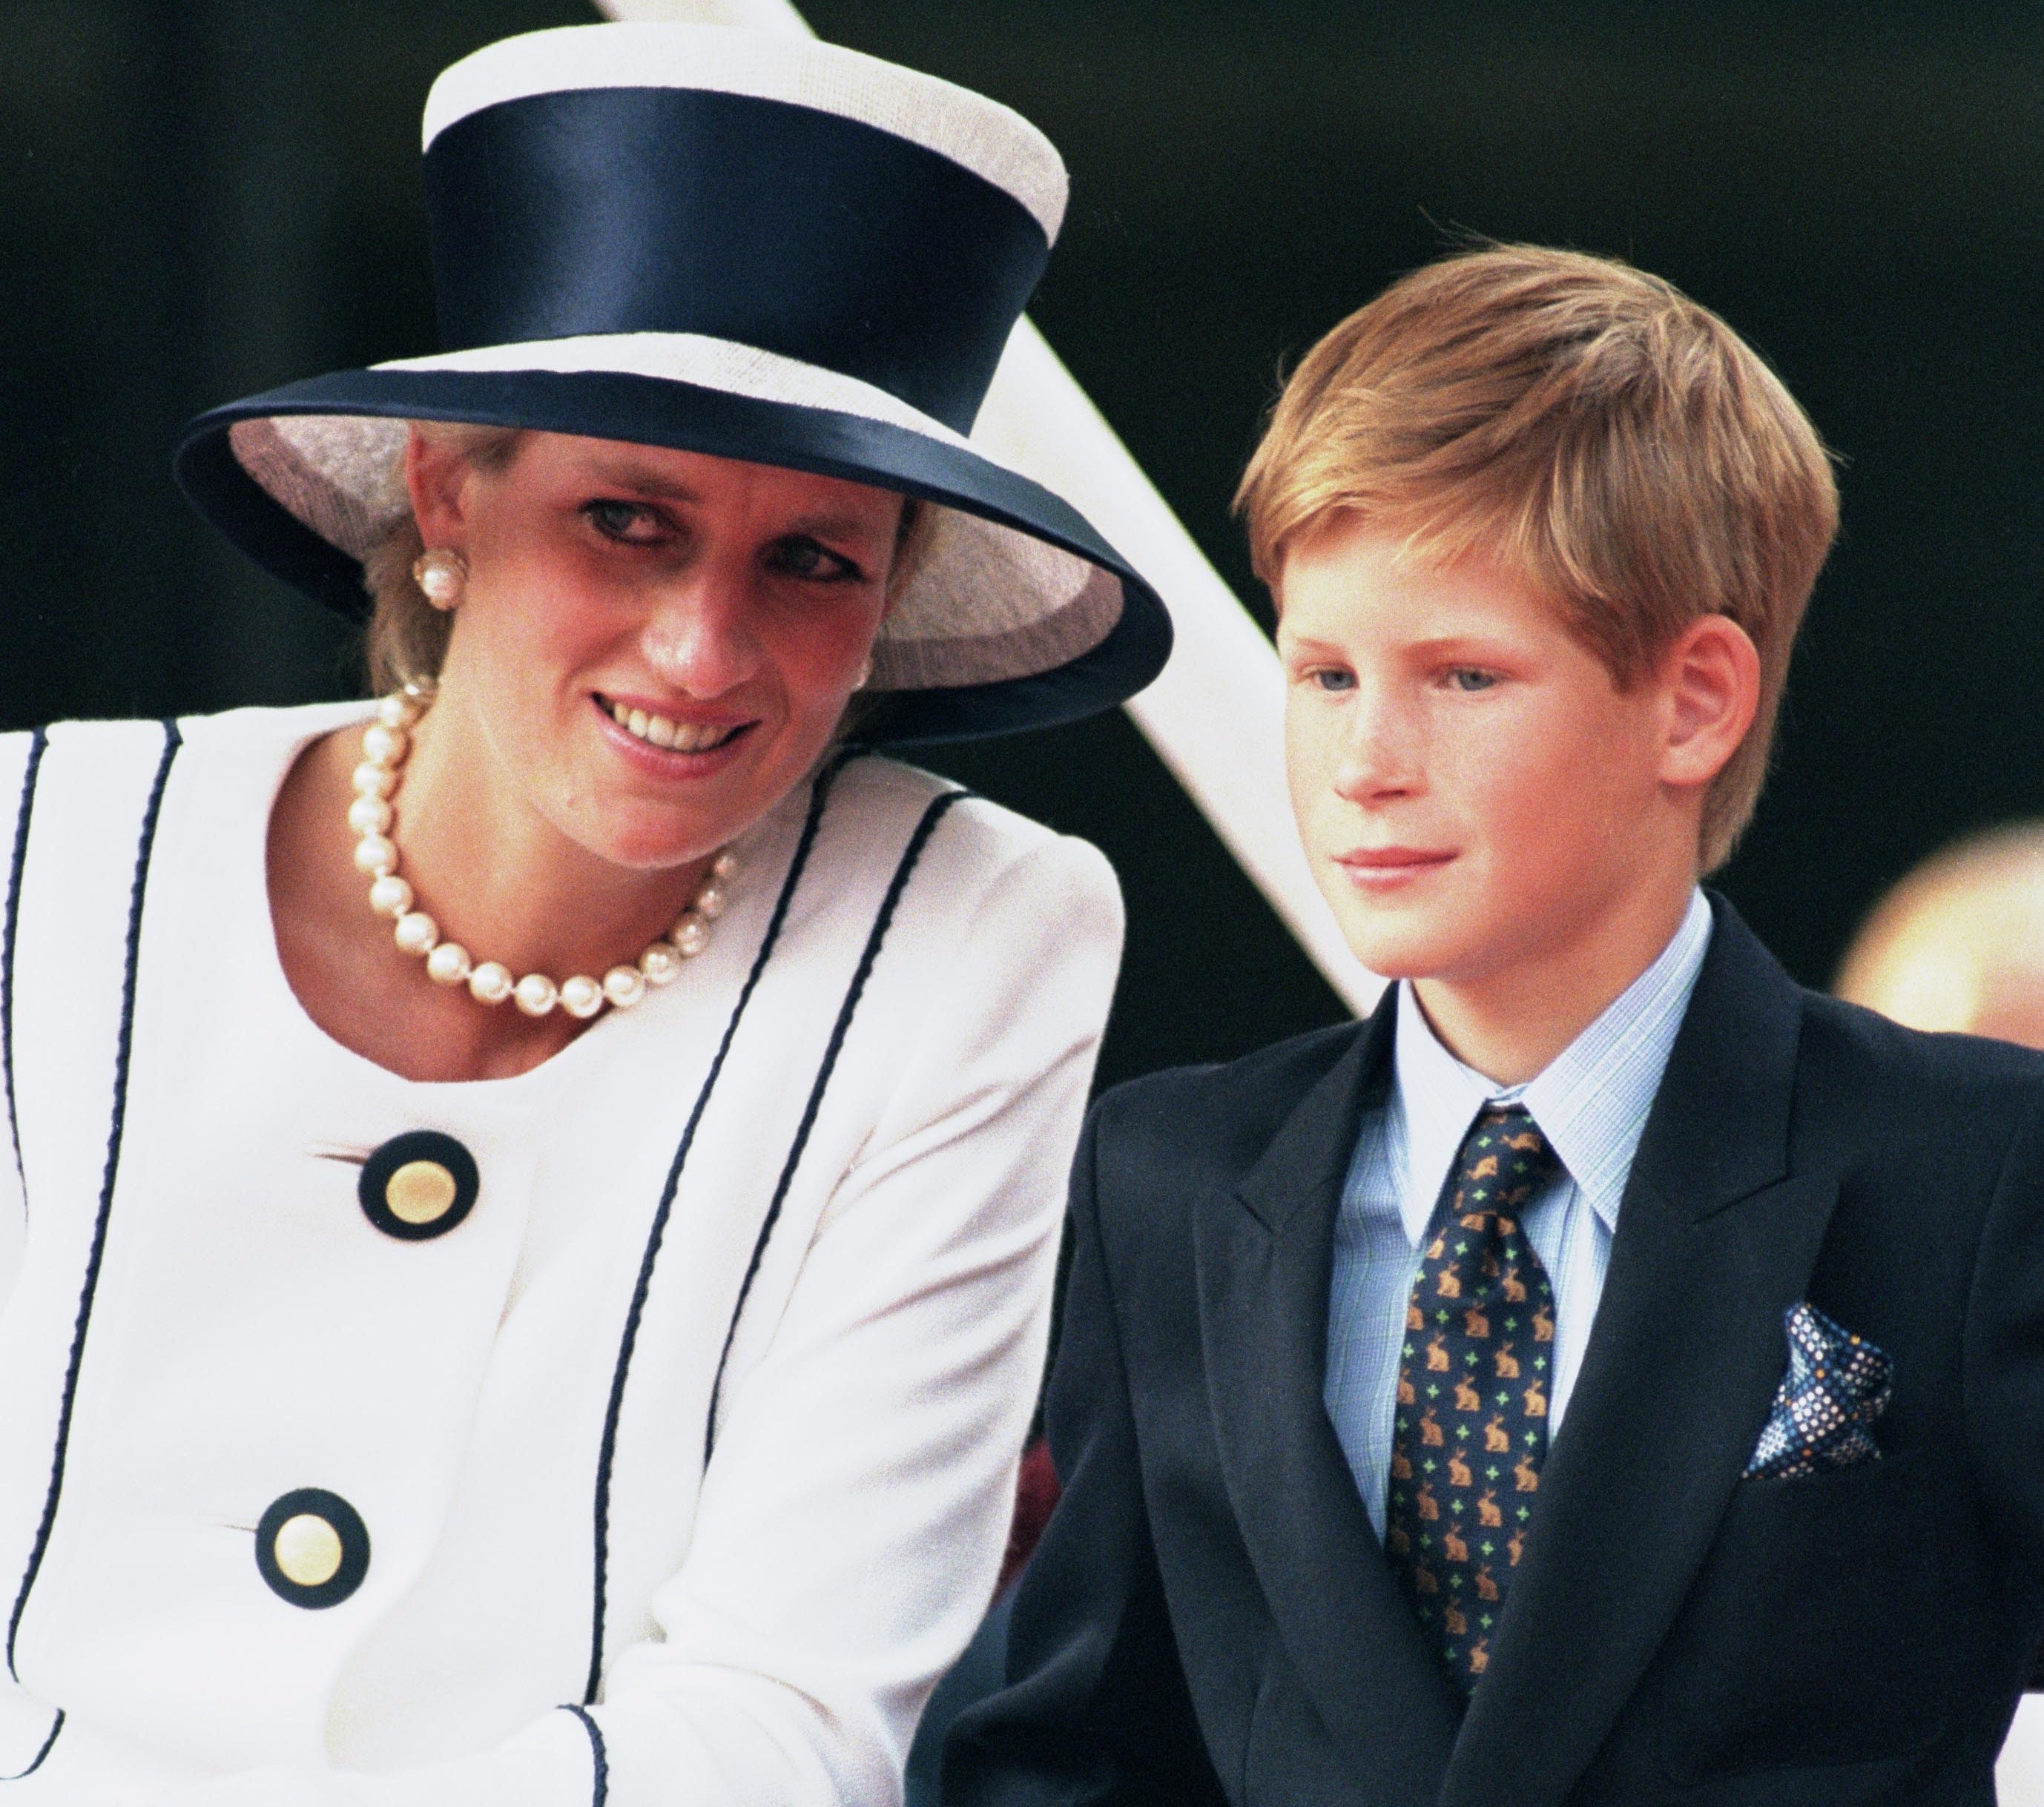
(384, 747)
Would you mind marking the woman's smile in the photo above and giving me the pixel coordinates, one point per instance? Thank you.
(679, 736)
(675, 734)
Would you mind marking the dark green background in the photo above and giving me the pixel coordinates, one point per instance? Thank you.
(199, 198)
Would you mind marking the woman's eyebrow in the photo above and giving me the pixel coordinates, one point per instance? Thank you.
(833, 526)
(642, 480)
(624, 474)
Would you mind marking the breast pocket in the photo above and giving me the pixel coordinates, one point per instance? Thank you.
(1812, 1634)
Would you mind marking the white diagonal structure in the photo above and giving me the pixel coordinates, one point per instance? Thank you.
(1215, 715)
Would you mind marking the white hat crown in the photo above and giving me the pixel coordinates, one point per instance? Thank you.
(993, 141)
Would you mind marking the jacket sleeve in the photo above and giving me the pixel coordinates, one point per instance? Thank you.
(2003, 1383)
(852, 1518)
(1095, 1709)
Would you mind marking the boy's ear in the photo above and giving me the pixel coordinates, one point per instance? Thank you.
(436, 475)
(1711, 677)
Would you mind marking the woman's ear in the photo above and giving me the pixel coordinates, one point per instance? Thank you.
(436, 474)
(1711, 677)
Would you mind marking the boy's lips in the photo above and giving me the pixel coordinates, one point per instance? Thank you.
(1384, 865)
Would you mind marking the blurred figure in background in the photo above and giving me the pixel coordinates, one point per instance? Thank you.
(1958, 944)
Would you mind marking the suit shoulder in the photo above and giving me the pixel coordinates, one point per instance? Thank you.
(1884, 1099)
(1872, 1050)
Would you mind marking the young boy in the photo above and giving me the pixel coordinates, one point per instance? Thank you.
(1610, 1374)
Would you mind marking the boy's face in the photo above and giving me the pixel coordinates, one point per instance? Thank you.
(1474, 792)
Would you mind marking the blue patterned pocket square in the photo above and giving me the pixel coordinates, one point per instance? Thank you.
(1836, 1386)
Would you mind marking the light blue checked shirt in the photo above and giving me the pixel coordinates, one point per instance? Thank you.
(1591, 1103)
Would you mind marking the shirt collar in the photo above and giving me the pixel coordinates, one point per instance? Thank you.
(1591, 1101)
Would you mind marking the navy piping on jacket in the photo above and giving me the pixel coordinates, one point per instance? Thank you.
(599, 1759)
(172, 740)
(819, 796)
(49, 1743)
(8, 925)
(932, 816)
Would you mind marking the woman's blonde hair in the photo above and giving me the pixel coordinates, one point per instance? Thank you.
(1590, 427)
(406, 639)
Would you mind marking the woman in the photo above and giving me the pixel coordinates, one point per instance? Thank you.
(536, 1196)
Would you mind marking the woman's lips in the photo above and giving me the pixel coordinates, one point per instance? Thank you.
(668, 732)
(665, 742)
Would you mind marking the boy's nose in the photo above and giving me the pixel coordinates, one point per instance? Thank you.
(1379, 755)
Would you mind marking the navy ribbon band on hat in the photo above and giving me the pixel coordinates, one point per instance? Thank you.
(615, 210)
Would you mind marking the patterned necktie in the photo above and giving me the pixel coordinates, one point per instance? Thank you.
(1472, 1418)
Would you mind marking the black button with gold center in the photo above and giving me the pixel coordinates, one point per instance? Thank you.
(312, 1547)
(418, 1185)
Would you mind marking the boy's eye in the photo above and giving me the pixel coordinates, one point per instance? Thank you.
(1468, 677)
(799, 556)
(631, 522)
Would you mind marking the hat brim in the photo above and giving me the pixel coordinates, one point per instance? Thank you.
(1107, 668)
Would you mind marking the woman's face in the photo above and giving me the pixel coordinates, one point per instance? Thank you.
(653, 647)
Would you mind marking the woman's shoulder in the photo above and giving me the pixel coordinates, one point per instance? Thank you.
(255, 731)
(238, 732)
(985, 935)
(969, 844)
(94, 778)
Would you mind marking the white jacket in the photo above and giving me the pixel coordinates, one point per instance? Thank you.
(817, 1180)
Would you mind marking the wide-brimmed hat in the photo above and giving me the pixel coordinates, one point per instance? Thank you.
(730, 242)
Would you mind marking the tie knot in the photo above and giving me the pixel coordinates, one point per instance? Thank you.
(1504, 1159)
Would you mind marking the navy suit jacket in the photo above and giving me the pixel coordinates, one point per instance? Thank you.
(1210, 1618)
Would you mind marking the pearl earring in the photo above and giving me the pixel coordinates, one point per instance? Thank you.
(441, 577)
(865, 673)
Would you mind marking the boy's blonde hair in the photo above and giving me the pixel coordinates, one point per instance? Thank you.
(1592, 429)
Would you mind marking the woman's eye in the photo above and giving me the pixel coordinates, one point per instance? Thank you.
(1331, 679)
(799, 556)
(631, 522)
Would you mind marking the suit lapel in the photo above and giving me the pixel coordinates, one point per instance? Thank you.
(1717, 1238)
(1264, 1249)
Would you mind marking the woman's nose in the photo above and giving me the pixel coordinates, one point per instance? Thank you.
(699, 635)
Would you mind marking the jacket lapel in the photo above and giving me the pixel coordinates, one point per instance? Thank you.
(1716, 1238)
(1264, 1249)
